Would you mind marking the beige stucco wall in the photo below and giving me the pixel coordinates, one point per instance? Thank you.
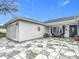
(29, 31)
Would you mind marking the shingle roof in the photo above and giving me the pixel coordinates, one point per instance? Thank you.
(61, 19)
(24, 19)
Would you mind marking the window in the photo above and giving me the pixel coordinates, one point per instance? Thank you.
(39, 29)
(57, 29)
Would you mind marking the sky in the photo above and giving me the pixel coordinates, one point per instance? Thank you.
(43, 10)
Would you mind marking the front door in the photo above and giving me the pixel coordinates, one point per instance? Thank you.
(72, 30)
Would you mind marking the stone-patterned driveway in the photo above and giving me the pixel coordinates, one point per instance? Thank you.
(44, 48)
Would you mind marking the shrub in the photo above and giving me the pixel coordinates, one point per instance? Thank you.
(76, 38)
(46, 35)
(2, 34)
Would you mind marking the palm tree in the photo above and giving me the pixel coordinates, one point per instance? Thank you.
(8, 7)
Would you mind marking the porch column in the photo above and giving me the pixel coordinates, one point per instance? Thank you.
(50, 30)
(78, 29)
(66, 31)
(77, 20)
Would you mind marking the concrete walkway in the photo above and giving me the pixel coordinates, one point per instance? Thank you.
(44, 48)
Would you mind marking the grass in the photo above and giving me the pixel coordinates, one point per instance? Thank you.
(2, 35)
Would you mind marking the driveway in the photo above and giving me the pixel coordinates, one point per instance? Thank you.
(44, 48)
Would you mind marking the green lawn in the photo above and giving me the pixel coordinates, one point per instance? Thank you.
(2, 34)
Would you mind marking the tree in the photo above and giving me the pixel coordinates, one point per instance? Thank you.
(8, 6)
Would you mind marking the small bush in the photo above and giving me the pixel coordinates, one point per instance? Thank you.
(76, 38)
(2, 34)
(46, 35)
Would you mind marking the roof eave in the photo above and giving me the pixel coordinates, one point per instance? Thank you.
(22, 19)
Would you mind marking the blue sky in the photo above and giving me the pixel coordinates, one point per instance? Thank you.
(43, 10)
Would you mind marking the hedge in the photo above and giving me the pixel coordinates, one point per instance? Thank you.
(2, 34)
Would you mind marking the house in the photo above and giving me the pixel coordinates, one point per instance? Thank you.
(21, 29)
(69, 26)
(2, 28)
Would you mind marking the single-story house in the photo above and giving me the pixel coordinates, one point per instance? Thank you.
(21, 29)
(69, 26)
(2, 29)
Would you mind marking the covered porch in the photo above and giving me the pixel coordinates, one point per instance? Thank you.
(64, 30)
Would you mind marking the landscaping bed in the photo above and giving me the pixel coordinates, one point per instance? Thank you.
(2, 34)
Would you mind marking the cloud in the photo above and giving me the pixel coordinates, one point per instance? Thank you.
(66, 2)
(60, 3)
(63, 3)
